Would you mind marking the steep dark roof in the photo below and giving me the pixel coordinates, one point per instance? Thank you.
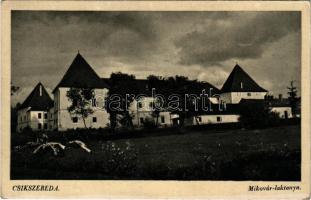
(36, 101)
(238, 76)
(81, 75)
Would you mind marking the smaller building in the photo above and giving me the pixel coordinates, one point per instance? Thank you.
(281, 106)
(239, 85)
(34, 111)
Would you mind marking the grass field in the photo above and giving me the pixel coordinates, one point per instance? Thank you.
(265, 154)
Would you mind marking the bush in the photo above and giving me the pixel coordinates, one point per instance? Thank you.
(149, 124)
(257, 115)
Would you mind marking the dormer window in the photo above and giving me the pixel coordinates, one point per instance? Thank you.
(241, 84)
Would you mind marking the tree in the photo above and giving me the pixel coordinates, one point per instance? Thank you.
(122, 87)
(14, 110)
(257, 115)
(80, 102)
(14, 89)
(292, 96)
(180, 86)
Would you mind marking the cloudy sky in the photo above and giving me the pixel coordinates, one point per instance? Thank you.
(200, 45)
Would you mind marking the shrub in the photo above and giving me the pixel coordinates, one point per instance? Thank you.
(257, 115)
(149, 124)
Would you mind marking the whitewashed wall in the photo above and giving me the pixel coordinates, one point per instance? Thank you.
(281, 111)
(235, 97)
(63, 119)
(212, 119)
(31, 119)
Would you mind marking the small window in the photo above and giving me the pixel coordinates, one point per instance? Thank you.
(94, 119)
(141, 120)
(39, 115)
(39, 126)
(219, 119)
(45, 126)
(241, 85)
(200, 119)
(140, 105)
(249, 94)
(51, 116)
(75, 119)
(45, 115)
(151, 104)
(162, 119)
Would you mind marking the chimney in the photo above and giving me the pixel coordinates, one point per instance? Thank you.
(280, 97)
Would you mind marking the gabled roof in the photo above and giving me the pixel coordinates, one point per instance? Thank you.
(38, 99)
(81, 75)
(240, 81)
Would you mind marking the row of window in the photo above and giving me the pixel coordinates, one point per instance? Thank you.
(76, 119)
(219, 119)
(45, 126)
(45, 116)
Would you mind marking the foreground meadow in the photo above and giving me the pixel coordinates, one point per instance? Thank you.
(264, 154)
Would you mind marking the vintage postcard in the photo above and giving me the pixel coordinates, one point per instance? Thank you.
(155, 99)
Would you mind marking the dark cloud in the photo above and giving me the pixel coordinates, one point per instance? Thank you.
(245, 36)
(200, 45)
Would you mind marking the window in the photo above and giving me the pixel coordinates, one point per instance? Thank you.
(151, 104)
(141, 120)
(39, 115)
(45, 115)
(39, 126)
(75, 119)
(51, 116)
(94, 104)
(21, 119)
(94, 119)
(241, 85)
(219, 119)
(45, 126)
(249, 94)
(140, 105)
(200, 119)
(162, 119)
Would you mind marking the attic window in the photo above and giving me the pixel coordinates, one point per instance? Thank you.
(241, 84)
(40, 90)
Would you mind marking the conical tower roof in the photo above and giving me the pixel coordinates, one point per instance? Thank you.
(38, 99)
(240, 81)
(81, 75)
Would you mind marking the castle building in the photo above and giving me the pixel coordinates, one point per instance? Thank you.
(40, 112)
(80, 75)
(34, 110)
(239, 85)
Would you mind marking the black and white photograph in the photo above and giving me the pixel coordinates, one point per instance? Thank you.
(145, 99)
(156, 95)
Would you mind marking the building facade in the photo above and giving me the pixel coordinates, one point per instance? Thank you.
(34, 111)
(40, 112)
